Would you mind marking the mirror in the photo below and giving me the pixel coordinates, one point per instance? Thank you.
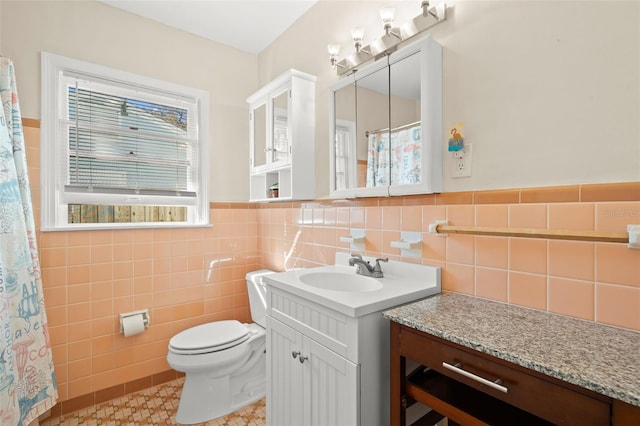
(386, 125)
(372, 124)
(344, 155)
(280, 108)
(405, 136)
(260, 136)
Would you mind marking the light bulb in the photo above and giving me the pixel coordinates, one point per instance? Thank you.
(357, 33)
(386, 14)
(333, 49)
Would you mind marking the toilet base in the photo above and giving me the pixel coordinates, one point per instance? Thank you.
(205, 399)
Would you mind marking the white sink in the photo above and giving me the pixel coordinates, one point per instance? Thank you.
(338, 287)
(340, 281)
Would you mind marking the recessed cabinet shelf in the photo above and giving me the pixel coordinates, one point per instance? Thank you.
(282, 120)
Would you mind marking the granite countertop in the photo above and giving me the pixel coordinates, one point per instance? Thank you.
(594, 356)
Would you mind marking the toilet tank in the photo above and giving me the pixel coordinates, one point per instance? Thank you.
(258, 296)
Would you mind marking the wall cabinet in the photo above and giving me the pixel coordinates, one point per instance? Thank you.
(386, 125)
(282, 144)
(323, 367)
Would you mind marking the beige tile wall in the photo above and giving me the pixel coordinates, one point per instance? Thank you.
(191, 276)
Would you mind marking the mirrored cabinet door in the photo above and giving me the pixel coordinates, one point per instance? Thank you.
(344, 155)
(405, 135)
(280, 150)
(259, 135)
(372, 126)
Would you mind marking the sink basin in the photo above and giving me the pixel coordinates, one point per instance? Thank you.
(340, 281)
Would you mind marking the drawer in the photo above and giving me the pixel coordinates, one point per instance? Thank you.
(555, 401)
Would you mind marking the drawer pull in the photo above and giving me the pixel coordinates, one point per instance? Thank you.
(458, 369)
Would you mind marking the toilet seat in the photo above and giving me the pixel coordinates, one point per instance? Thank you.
(210, 337)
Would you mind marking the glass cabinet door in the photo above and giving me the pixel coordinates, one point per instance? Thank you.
(281, 139)
(259, 136)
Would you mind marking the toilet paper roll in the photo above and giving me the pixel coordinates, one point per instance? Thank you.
(133, 325)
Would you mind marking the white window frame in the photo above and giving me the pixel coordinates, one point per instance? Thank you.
(54, 208)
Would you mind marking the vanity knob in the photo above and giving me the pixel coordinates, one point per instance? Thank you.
(295, 354)
(302, 359)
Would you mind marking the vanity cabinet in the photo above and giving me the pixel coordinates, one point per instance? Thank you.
(282, 132)
(487, 363)
(386, 125)
(324, 367)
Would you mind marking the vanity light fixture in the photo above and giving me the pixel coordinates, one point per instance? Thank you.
(432, 13)
(333, 50)
(386, 14)
(358, 35)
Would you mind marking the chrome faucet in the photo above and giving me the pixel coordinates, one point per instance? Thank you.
(365, 268)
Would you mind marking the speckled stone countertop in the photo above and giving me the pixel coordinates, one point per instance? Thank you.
(594, 356)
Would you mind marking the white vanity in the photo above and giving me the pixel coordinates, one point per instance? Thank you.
(328, 344)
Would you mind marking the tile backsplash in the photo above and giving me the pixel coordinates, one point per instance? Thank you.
(190, 276)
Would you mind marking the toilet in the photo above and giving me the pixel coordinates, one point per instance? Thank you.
(224, 361)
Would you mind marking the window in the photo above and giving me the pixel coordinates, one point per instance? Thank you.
(120, 150)
(345, 155)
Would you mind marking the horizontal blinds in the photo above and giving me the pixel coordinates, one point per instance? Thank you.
(124, 141)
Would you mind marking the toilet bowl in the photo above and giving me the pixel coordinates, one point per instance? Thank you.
(224, 361)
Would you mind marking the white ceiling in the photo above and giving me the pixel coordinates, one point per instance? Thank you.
(248, 25)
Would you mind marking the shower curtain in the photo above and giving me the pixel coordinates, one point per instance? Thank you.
(27, 381)
(396, 158)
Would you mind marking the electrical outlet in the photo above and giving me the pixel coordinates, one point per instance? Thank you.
(461, 162)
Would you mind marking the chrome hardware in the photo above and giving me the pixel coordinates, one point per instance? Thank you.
(295, 354)
(458, 369)
(302, 359)
(365, 268)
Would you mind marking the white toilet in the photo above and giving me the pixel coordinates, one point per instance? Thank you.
(224, 361)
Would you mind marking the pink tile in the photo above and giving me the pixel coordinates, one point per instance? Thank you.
(391, 218)
(618, 305)
(528, 255)
(458, 278)
(434, 247)
(575, 216)
(373, 217)
(460, 249)
(491, 284)
(357, 217)
(411, 218)
(571, 259)
(616, 264)
(528, 290)
(615, 217)
(494, 216)
(492, 251)
(572, 297)
(461, 215)
(431, 214)
(528, 216)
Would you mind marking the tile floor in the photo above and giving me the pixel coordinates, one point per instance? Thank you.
(153, 406)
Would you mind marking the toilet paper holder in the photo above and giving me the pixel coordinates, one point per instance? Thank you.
(145, 317)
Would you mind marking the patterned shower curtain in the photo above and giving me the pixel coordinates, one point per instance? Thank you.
(396, 158)
(27, 381)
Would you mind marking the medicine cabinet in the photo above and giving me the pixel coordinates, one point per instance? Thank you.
(282, 126)
(386, 125)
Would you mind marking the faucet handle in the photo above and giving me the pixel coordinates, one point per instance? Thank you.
(359, 256)
(378, 260)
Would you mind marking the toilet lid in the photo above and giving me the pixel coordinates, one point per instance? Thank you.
(219, 334)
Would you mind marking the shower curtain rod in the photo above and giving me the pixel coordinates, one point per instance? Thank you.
(405, 126)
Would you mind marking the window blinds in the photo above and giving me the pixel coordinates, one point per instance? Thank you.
(129, 142)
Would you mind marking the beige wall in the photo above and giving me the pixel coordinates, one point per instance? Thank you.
(94, 32)
(548, 95)
(549, 91)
